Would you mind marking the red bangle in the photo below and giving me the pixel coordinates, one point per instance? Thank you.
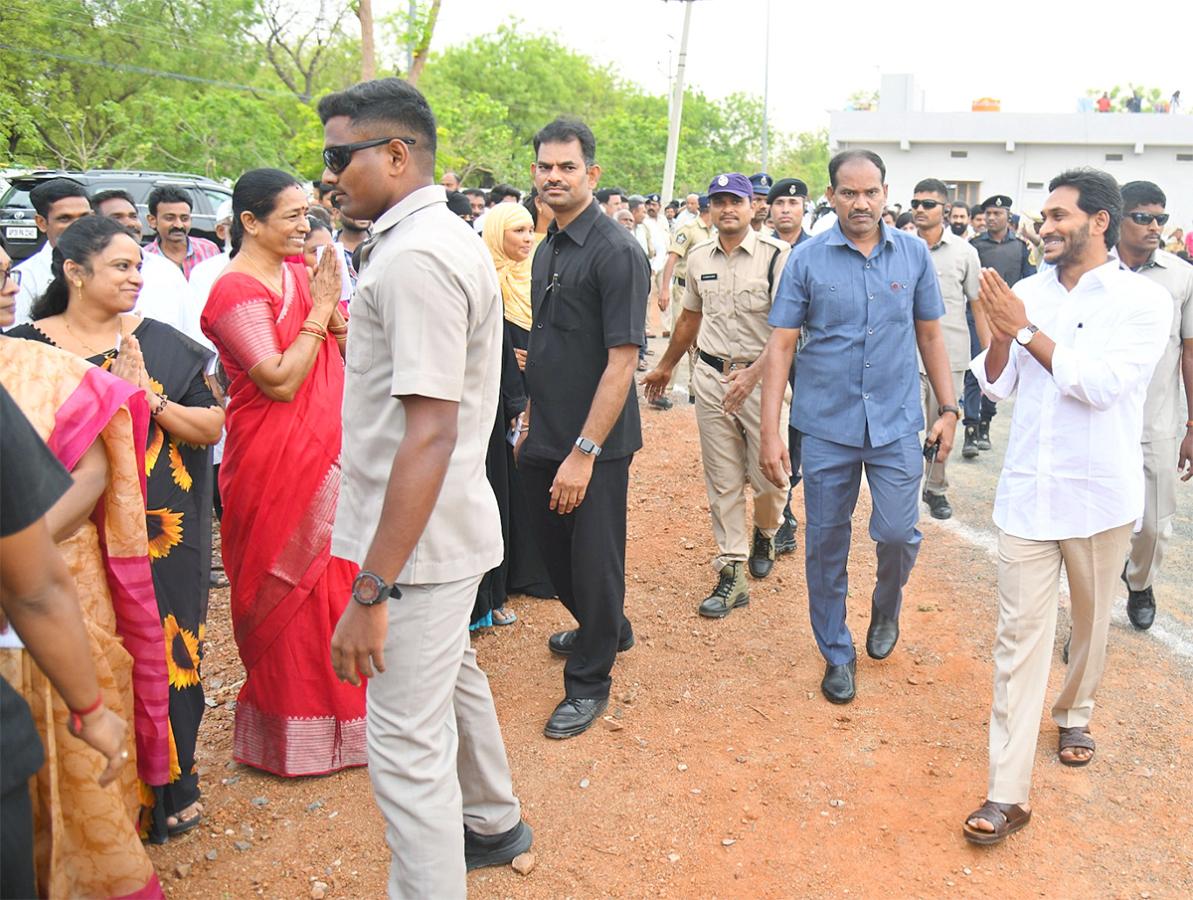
(75, 724)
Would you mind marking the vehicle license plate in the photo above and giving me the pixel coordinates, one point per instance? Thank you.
(21, 234)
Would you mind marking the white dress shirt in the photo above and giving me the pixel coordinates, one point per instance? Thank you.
(1073, 466)
(166, 297)
(35, 278)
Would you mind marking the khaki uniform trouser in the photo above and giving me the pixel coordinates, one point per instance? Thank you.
(1028, 585)
(1159, 510)
(436, 758)
(936, 479)
(729, 449)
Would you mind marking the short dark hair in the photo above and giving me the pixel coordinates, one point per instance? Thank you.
(531, 205)
(854, 156)
(80, 242)
(499, 192)
(1142, 193)
(316, 223)
(473, 192)
(1096, 191)
(167, 194)
(905, 218)
(389, 100)
(976, 210)
(256, 191)
(932, 186)
(322, 188)
(50, 192)
(321, 214)
(564, 130)
(98, 200)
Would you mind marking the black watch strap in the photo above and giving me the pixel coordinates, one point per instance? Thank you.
(948, 407)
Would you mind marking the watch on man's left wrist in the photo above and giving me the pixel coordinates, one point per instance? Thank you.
(370, 589)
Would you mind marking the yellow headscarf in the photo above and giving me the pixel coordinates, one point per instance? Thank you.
(513, 276)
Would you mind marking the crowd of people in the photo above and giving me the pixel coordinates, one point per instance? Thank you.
(402, 402)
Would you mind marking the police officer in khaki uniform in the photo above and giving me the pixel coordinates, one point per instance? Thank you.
(674, 282)
(730, 283)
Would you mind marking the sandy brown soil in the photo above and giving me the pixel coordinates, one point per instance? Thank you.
(721, 772)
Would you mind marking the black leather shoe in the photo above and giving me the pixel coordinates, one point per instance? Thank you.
(969, 449)
(1141, 608)
(762, 558)
(882, 635)
(838, 684)
(938, 505)
(983, 440)
(785, 536)
(563, 642)
(574, 715)
(482, 850)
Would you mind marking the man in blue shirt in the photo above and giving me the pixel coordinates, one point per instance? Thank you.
(866, 297)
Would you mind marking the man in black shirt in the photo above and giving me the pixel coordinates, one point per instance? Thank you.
(589, 285)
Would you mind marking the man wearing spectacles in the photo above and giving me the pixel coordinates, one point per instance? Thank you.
(415, 510)
(1165, 438)
(957, 270)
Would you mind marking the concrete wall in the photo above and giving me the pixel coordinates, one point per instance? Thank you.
(1018, 154)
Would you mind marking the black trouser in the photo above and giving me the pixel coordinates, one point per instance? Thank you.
(978, 407)
(584, 552)
(16, 844)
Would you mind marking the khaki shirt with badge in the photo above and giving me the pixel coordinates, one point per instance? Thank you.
(686, 237)
(733, 292)
(958, 271)
(1164, 409)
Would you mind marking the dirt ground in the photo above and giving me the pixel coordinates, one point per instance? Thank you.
(721, 772)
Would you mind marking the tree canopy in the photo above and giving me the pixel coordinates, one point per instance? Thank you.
(221, 86)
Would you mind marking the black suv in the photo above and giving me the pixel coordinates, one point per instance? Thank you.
(16, 212)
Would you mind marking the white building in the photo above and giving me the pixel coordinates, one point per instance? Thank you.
(985, 153)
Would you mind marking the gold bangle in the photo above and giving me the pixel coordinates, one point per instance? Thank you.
(315, 325)
(314, 334)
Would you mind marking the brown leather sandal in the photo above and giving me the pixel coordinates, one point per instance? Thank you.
(1075, 739)
(1007, 818)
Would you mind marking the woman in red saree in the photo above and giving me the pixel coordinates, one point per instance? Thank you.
(279, 334)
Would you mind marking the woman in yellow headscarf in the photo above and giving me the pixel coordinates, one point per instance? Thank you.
(509, 235)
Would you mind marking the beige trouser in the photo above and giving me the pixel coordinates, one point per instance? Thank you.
(729, 448)
(1159, 510)
(1028, 584)
(674, 308)
(935, 478)
(436, 758)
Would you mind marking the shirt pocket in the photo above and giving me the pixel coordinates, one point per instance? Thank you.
(564, 311)
(757, 296)
(361, 349)
(835, 302)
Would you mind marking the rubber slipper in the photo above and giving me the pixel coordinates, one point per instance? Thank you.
(184, 825)
(504, 617)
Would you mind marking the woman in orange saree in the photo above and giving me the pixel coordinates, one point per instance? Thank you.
(86, 840)
(279, 481)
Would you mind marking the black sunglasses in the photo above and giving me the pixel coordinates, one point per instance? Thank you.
(1142, 218)
(927, 204)
(338, 158)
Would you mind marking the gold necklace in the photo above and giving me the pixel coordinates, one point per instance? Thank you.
(268, 282)
(85, 345)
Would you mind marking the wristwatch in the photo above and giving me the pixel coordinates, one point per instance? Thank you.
(944, 408)
(369, 589)
(1025, 334)
(587, 447)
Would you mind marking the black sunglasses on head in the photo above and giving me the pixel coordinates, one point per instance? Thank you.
(927, 204)
(338, 158)
(1142, 218)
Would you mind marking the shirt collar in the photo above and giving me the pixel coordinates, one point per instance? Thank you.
(1155, 260)
(408, 205)
(946, 237)
(579, 228)
(748, 243)
(837, 237)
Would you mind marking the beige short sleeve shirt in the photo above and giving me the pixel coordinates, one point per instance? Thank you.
(958, 270)
(733, 293)
(425, 321)
(1164, 410)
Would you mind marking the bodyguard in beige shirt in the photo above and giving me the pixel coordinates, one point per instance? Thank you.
(957, 269)
(730, 283)
(415, 510)
(1167, 419)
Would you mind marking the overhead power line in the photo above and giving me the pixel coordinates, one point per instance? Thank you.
(141, 70)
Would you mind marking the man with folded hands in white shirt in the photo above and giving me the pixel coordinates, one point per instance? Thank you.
(1077, 344)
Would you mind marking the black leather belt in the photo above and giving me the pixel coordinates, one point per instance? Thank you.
(722, 365)
(681, 281)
